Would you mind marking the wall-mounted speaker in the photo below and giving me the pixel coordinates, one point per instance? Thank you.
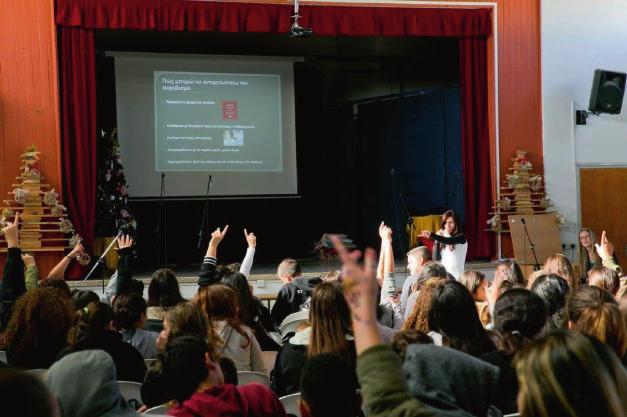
(608, 89)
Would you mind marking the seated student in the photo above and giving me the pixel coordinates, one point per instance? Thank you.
(38, 328)
(85, 385)
(207, 275)
(453, 315)
(417, 259)
(595, 312)
(519, 317)
(13, 285)
(93, 329)
(130, 316)
(252, 311)
(186, 319)
(81, 298)
(25, 395)
(219, 302)
(329, 388)
(559, 264)
(418, 318)
(477, 284)
(330, 332)
(567, 373)
(429, 270)
(389, 314)
(194, 378)
(604, 278)
(553, 290)
(163, 294)
(295, 293)
(576, 364)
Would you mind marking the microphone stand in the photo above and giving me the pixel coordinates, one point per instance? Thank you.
(536, 266)
(100, 260)
(205, 216)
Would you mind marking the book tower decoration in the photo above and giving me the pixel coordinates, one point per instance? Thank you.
(44, 226)
(523, 194)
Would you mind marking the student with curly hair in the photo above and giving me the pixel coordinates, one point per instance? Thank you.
(38, 328)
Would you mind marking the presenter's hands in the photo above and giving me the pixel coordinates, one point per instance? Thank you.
(426, 234)
(605, 248)
(10, 232)
(251, 239)
(124, 241)
(217, 236)
(385, 232)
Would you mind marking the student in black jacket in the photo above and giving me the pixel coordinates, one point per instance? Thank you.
(13, 285)
(295, 295)
(93, 329)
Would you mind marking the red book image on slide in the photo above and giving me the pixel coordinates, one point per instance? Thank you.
(229, 110)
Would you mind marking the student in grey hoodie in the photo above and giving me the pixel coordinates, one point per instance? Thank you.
(130, 316)
(85, 385)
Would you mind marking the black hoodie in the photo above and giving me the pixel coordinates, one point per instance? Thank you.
(293, 296)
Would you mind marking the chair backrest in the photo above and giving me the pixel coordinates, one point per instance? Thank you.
(158, 410)
(3, 356)
(249, 377)
(131, 392)
(40, 374)
(149, 362)
(269, 357)
(291, 326)
(290, 403)
(512, 415)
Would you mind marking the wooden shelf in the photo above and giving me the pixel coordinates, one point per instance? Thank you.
(44, 249)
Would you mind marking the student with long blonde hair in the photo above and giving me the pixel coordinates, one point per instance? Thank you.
(567, 373)
(559, 264)
(587, 255)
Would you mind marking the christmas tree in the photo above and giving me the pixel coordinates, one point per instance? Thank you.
(112, 208)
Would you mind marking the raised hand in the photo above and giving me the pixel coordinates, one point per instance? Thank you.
(10, 232)
(425, 233)
(28, 259)
(217, 236)
(605, 248)
(385, 232)
(79, 248)
(124, 241)
(359, 282)
(250, 238)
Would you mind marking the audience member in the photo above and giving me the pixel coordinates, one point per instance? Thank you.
(604, 278)
(595, 312)
(13, 285)
(587, 255)
(38, 328)
(389, 311)
(510, 273)
(477, 284)
(330, 332)
(553, 290)
(448, 382)
(93, 329)
(207, 275)
(295, 294)
(58, 284)
(163, 294)
(450, 244)
(417, 258)
(85, 385)
(25, 395)
(418, 318)
(252, 311)
(195, 381)
(219, 302)
(605, 249)
(58, 271)
(429, 270)
(130, 316)
(31, 272)
(404, 338)
(519, 316)
(559, 264)
(570, 374)
(453, 315)
(81, 298)
(329, 388)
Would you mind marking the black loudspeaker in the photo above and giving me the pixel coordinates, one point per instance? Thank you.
(608, 89)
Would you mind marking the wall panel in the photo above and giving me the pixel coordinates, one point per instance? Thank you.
(29, 109)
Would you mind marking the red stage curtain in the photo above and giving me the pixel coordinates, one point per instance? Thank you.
(471, 26)
(78, 130)
(475, 145)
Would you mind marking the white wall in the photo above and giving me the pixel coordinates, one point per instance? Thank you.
(579, 36)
